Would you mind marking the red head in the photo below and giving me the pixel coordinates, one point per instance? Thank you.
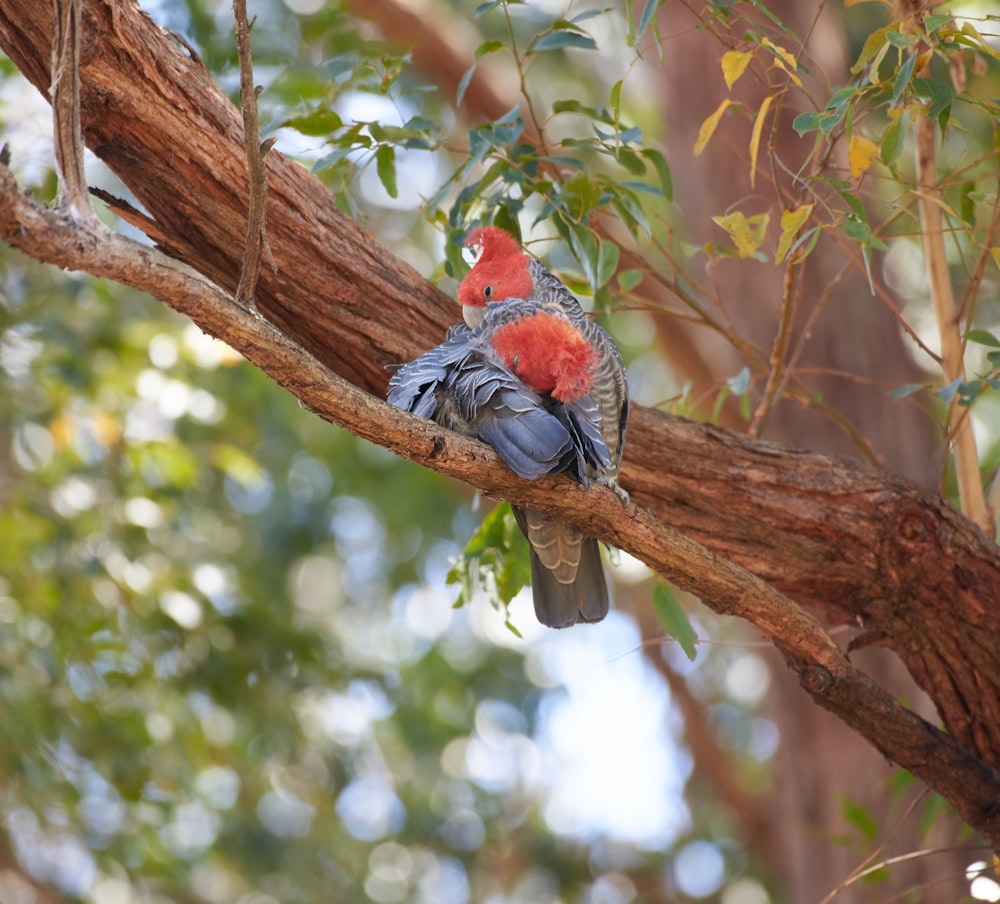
(501, 272)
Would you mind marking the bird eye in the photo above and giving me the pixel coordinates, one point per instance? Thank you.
(487, 292)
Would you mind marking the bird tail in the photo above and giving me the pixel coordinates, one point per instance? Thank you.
(567, 577)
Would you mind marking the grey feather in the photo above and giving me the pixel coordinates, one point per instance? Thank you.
(465, 386)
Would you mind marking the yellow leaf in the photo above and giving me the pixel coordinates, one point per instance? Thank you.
(784, 59)
(874, 49)
(734, 64)
(747, 233)
(758, 127)
(791, 223)
(708, 127)
(861, 152)
(106, 428)
(62, 429)
(996, 255)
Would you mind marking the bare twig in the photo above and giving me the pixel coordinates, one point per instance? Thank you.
(779, 351)
(65, 92)
(970, 486)
(257, 173)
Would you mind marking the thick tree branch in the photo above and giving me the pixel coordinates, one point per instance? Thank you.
(823, 670)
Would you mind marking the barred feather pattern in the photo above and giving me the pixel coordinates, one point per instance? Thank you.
(610, 387)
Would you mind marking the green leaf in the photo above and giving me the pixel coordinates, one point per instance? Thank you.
(569, 105)
(628, 206)
(485, 7)
(806, 122)
(495, 558)
(901, 392)
(903, 78)
(969, 391)
(646, 17)
(948, 391)
(673, 619)
(385, 164)
(631, 135)
(893, 139)
(607, 262)
(463, 83)
(616, 99)
(629, 279)
(487, 47)
(983, 337)
(859, 817)
(505, 219)
(328, 160)
(937, 93)
(559, 40)
(842, 98)
(898, 39)
(585, 248)
(632, 162)
(662, 170)
(320, 122)
(967, 203)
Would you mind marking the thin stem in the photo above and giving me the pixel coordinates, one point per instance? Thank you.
(66, 110)
(257, 174)
(970, 487)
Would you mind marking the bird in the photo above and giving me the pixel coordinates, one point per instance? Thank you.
(530, 374)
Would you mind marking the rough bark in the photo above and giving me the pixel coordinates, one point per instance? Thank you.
(862, 547)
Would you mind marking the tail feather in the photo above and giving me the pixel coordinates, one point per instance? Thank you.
(567, 577)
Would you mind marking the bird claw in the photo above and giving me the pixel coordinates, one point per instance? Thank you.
(612, 484)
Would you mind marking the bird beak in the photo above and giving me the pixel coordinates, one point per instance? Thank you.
(473, 314)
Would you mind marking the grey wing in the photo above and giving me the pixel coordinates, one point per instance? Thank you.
(414, 386)
(582, 419)
(462, 386)
(498, 409)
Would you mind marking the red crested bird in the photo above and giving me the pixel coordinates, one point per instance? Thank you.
(530, 374)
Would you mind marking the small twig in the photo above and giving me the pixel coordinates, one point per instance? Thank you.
(65, 90)
(970, 486)
(256, 242)
(778, 363)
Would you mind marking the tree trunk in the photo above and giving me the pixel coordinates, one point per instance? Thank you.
(820, 763)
